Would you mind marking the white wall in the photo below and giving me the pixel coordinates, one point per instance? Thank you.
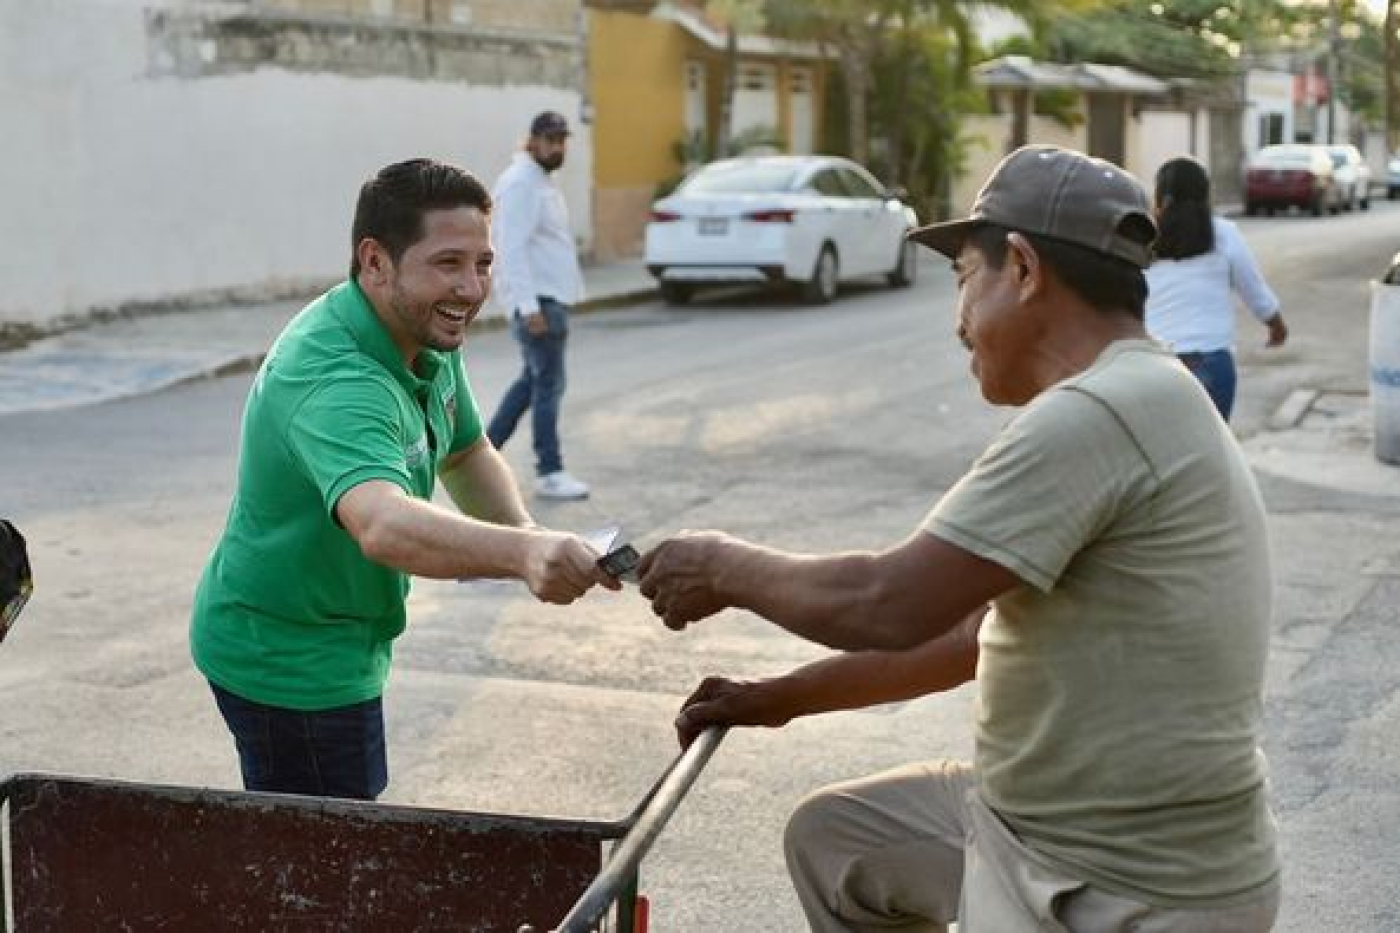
(1167, 134)
(121, 186)
(1266, 92)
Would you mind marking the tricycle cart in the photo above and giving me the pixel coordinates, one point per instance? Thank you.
(88, 854)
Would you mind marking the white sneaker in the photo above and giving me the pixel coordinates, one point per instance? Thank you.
(560, 485)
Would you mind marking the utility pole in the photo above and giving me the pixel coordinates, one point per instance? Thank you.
(1392, 78)
(1333, 69)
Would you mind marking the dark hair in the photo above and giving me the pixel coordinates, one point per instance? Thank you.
(392, 203)
(1183, 210)
(1106, 282)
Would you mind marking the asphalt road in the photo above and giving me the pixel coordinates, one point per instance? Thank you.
(806, 428)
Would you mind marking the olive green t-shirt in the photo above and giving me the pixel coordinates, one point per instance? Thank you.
(1120, 688)
(289, 612)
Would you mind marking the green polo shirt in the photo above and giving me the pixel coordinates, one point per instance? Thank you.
(289, 612)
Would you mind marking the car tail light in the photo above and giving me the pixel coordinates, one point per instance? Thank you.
(770, 217)
(664, 217)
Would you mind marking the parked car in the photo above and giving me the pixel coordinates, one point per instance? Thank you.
(1353, 176)
(1291, 175)
(812, 221)
(1392, 177)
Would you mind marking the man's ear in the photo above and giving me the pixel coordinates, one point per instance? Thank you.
(376, 268)
(1025, 264)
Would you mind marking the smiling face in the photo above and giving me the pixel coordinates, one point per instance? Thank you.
(996, 325)
(437, 287)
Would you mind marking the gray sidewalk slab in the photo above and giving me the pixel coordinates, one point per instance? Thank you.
(130, 356)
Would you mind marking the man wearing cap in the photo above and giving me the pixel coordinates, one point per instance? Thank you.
(1102, 571)
(538, 278)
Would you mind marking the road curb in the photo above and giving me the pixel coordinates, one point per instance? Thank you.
(1293, 410)
(620, 300)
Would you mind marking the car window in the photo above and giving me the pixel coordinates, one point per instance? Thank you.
(827, 182)
(740, 177)
(1284, 157)
(859, 186)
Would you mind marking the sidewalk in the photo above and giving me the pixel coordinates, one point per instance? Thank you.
(1321, 439)
(133, 356)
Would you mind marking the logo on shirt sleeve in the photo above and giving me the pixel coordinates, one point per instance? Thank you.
(416, 454)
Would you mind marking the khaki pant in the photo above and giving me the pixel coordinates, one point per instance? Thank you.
(915, 849)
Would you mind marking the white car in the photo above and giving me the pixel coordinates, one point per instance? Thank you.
(1392, 177)
(815, 221)
(1353, 176)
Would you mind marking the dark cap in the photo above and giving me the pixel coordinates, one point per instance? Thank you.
(549, 123)
(1060, 194)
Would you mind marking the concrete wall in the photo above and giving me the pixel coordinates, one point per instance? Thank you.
(538, 15)
(1151, 137)
(191, 153)
(985, 140)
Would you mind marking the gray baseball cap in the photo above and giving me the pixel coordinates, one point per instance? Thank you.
(1060, 194)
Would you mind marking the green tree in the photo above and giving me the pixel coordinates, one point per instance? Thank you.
(739, 17)
(868, 36)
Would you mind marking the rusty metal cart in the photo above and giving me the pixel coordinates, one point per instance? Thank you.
(88, 854)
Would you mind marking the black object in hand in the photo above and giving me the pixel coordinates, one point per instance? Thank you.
(620, 562)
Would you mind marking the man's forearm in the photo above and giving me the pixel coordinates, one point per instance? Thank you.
(868, 678)
(427, 540)
(891, 600)
(825, 599)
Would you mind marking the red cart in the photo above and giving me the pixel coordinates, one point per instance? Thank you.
(87, 854)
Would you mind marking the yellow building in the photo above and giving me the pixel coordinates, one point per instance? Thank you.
(656, 77)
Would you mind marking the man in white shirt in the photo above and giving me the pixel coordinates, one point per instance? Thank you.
(537, 278)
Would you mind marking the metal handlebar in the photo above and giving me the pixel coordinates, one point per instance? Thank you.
(646, 823)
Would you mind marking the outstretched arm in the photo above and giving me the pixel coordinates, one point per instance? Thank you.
(893, 599)
(400, 531)
(846, 681)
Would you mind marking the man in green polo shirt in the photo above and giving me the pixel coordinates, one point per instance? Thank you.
(362, 402)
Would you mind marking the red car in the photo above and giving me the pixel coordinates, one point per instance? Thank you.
(1292, 176)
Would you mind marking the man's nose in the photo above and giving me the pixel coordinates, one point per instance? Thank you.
(471, 287)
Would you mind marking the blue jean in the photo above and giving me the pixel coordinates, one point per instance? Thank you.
(539, 387)
(1216, 371)
(327, 753)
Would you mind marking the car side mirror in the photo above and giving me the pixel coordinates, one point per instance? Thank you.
(897, 193)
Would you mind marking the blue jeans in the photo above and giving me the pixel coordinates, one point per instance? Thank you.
(327, 753)
(1216, 371)
(539, 387)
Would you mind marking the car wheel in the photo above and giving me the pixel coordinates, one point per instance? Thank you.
(821, 287)
(1317, 205)
(1392, 194)
(902, 275)
(1250, 208)
(1366, 202)
(677, 293)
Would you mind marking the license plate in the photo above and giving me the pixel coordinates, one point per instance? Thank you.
(714, 226)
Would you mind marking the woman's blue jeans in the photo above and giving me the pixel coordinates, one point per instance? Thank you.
(1216, 371)
(327, 753)
(539, 388)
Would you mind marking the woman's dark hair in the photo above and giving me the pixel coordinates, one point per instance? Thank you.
(392, 203)
(1107, 283)
(1183, 210)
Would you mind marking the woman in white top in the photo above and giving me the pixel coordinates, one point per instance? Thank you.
(1200, 263)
